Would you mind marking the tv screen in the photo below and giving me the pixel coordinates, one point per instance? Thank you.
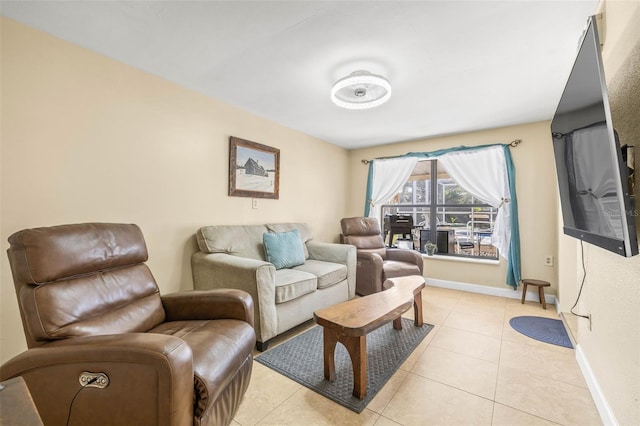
(592, 176)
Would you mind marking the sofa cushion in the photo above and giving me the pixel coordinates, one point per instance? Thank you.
(237, 240)
(328, 273)
(291, 284)
(305, 232)
(283, 249)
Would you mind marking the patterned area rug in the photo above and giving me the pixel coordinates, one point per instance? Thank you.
(543, 329)
(301, 360)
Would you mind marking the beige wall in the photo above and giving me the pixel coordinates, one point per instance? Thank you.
(86, 138)
(611, 293)
(535, 187)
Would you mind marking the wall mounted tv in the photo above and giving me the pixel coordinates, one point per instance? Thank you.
(595, 194)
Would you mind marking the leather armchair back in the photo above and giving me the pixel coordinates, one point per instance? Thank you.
(364, 233)
(96, 285)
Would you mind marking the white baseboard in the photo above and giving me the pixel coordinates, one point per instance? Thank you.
(606, 414)
(507, 292)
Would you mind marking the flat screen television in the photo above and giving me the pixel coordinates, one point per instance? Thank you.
(595, 194)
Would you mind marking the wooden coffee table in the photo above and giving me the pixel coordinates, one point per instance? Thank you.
(350, 322)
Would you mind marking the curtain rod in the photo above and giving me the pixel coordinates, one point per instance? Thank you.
(514, 143)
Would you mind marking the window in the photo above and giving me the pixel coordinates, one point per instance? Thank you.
(437, 209)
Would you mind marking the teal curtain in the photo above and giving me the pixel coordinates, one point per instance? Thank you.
(513, 263)
(367, 200)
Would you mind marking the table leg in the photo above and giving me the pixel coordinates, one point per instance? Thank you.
(417, 309)
(397, 323)
(330, 339)
(357, 349)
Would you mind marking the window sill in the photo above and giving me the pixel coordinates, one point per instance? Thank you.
(479, 261)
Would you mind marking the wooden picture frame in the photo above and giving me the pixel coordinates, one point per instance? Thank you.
(254, 169)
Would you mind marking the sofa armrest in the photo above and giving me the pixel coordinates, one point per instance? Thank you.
(337, 253)
(409, 256)
(256, 277)
(331, 252)
(151, 379)
(209, 305)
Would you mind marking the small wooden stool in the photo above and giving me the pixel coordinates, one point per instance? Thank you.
(538, 283)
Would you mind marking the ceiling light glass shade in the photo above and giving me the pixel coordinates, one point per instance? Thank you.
(361, 90)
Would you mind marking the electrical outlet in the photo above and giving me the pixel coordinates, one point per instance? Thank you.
(548, 260)
(254, 203)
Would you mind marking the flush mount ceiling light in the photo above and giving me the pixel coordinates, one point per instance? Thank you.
(361, 90)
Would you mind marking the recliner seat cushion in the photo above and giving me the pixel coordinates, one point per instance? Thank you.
(219, 348)
(393, 269)
(291, 284)
(328, 273)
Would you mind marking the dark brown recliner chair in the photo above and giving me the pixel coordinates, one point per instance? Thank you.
(90, 305)
(376, 262)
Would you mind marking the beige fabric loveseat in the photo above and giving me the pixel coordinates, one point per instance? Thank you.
(234, 257)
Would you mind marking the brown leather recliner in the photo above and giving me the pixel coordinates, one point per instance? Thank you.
(90, 305)
(376, 262)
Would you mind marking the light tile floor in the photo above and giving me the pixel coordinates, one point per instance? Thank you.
(472, 369)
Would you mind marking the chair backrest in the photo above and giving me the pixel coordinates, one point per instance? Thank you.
(246, 240)
(83, 280)
(364, 233)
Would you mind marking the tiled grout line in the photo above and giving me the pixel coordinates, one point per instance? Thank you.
(452, 309)
(533, 348)
(392, 396)
(495, 388)
(502, 333)
(470, 332)
(528, 414)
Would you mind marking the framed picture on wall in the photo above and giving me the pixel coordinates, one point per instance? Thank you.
(254, 169)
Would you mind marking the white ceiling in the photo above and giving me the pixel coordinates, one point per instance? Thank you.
(454, 66)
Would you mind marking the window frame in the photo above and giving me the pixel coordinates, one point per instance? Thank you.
(432, 208)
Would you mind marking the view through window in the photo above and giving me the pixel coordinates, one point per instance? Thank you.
(432, 207)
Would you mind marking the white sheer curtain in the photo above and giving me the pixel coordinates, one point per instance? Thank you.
(389, 175)
(483, 173)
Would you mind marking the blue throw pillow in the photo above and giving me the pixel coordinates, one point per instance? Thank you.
(283, 249)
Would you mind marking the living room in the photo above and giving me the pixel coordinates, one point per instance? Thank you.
(88, 138)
